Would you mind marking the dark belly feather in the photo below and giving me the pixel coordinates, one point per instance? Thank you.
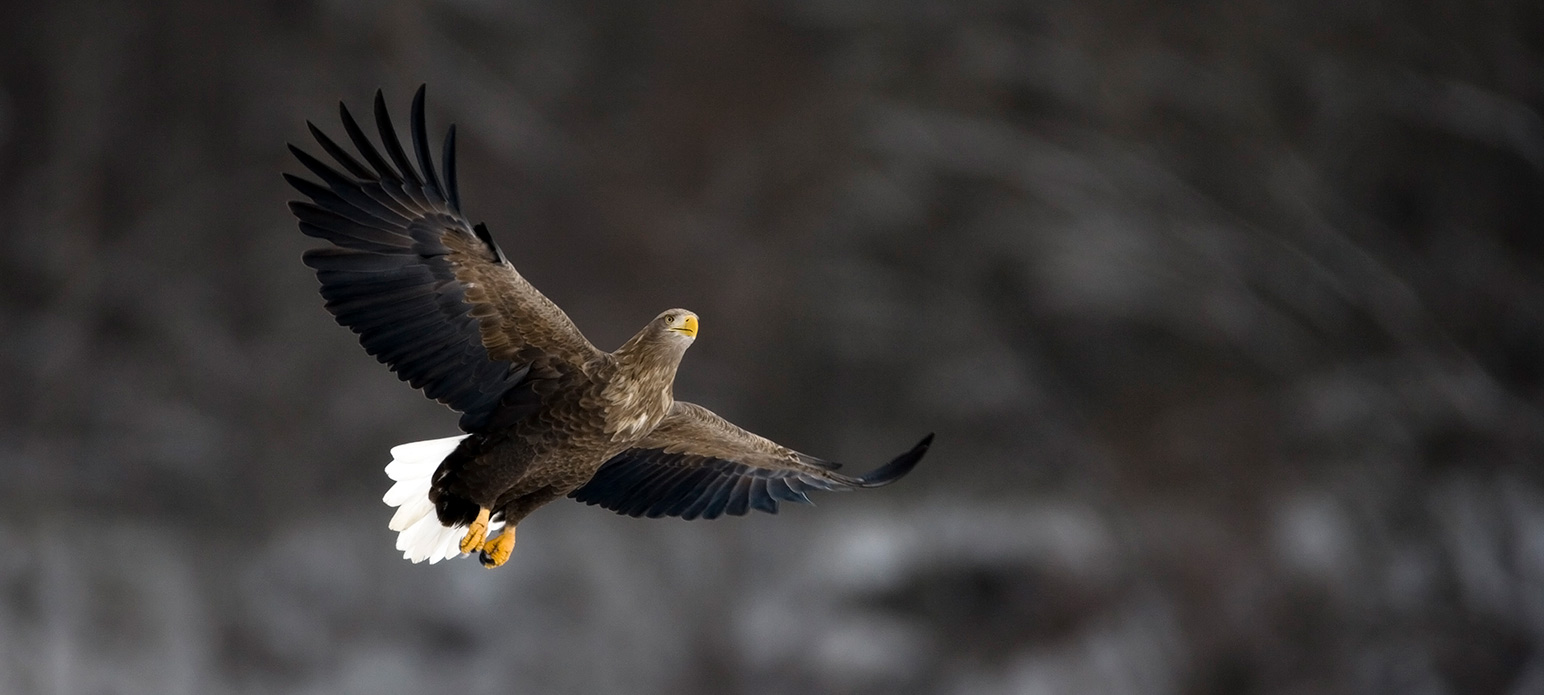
(552, 439)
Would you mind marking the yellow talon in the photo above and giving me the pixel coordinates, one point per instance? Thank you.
(497, 551)
(477, 533)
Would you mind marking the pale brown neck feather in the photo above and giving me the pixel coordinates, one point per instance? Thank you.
(646, 370)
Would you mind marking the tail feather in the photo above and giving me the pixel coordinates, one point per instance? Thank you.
(420, 535)
(402, 491)
(411, 512)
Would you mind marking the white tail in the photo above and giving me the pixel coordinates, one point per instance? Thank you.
(420, 535)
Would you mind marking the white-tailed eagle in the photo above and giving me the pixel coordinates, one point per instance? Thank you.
(546, 414)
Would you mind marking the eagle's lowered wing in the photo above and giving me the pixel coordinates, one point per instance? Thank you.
(430, 295)
(697, 464)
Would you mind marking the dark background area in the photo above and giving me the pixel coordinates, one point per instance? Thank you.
(1226, 314)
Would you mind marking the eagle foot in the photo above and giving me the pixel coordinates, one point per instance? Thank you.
(477, 533)
(496, 552)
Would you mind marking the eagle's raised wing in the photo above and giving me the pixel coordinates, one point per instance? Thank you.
(697, 464)
(430, 295)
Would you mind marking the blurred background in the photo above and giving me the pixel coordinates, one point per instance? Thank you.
(1227, 314)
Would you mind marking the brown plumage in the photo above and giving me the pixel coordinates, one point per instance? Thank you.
(547, 414)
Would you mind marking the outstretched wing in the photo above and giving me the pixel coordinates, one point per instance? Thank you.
(429, 294)
(697, 464)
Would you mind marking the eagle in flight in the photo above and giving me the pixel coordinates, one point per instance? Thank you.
(545, 413)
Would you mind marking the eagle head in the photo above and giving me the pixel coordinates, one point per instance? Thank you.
(677, 323)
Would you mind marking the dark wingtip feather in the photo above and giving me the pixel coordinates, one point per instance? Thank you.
(339, 154)
(306, 187)
(900, 466)
(362, 143)
(288, 176)
(326, 173)
(389, 140)
(421, 141)
(448, 161)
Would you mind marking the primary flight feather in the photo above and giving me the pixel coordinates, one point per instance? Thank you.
(546, 414)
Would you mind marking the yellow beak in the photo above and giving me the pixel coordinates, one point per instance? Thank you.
(689, 327)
